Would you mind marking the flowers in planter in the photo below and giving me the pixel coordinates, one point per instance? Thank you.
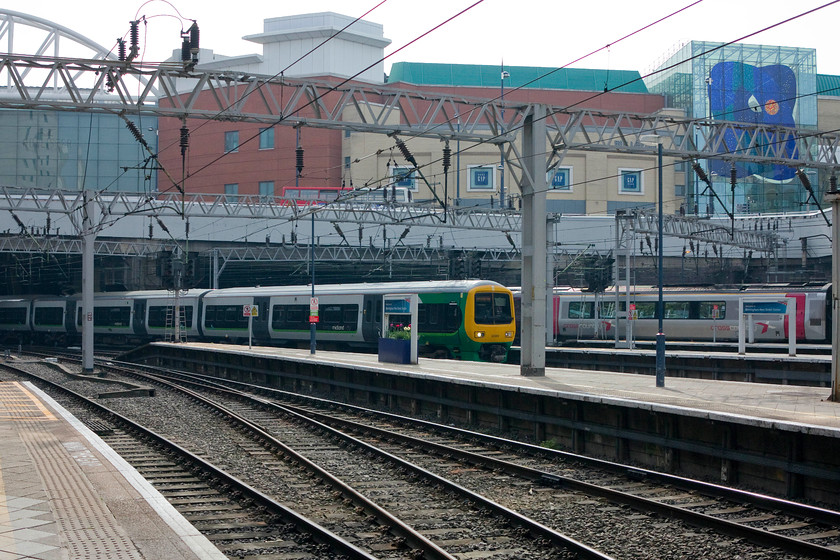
(399, 332)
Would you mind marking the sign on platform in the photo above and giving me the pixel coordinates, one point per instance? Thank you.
(250, 310)
(757, 307)
(313, 310)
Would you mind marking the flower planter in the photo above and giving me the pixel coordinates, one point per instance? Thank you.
(394, 351)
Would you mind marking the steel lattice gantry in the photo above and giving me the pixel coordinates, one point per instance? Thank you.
(168, 90)
(105, 86)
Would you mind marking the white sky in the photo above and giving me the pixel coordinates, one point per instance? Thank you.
(522, 32)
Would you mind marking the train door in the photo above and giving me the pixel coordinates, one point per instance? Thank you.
(72, 322)
(371, 318)
(139, 319)
(259, 324)
(799, 320)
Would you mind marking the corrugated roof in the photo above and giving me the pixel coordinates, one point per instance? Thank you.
(828, 85)
(474, 75)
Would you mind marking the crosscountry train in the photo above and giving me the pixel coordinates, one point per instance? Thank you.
(691, 313)
(469, 320)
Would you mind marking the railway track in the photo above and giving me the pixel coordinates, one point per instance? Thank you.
(240, 520)
(779, 524)
(416, 504)
(556, 489)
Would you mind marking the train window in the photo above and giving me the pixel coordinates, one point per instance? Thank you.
(49, 316)
(331, 314)
(706, 310)
(676, 309)
(224, 317)
(438, 318)
(338, 318)
(351, 314)
(581, 310)
(492, 309)
(606, 310)
(13, 316)
(158, 315)
(646, 309)
(119, 316)
(290, 317)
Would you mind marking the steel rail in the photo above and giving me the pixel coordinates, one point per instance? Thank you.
(319, 533)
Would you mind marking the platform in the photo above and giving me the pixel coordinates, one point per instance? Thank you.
(761, 401)
(779, 439)
(64, 494)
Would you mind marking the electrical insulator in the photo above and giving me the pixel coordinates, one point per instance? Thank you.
(832, 183)
(194, 37)
(733, 175)
(121, 49)
(299, 160)
(185, 50)
(48, 222)
(151, 229)
(185, 139)
(406, 154)
(700, 173)
(134, 36)
(447, 157)
(136, 133)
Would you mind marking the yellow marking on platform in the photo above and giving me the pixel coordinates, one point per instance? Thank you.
(18, 403)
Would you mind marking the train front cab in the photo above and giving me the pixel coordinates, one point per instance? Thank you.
(489, 324)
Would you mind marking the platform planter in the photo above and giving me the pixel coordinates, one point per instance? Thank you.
(394, 351)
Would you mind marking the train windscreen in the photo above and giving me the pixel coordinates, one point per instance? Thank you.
(492, 309)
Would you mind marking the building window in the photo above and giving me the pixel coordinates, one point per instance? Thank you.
(404, 177)
(266, 138)
(679, 190)
(560, 179)
(630, 181)
(266, 191)
(482, 178)
(346, 162)
(232, 141)
(231, 190)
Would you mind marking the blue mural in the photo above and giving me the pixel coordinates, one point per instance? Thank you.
(755, 95)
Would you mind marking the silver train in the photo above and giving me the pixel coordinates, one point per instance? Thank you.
(465, 319)
(691, 313)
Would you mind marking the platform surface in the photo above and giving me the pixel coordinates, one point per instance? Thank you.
(748, 402)
(65, 495)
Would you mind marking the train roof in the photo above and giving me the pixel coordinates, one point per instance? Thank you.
(429, 286)
(689, 290)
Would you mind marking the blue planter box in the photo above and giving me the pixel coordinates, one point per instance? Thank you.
(394, 351)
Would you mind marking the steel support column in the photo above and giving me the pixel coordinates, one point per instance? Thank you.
(532, 361)
(833, 197)
(88, 239)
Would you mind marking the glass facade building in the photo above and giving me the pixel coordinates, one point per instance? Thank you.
(74, 151)
(755, 84)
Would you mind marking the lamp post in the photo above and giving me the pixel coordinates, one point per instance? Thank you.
(651, 140)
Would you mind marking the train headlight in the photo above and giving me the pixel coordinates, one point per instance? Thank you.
(479, 334)
(508, 334)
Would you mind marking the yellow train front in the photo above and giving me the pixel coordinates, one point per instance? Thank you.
(489, 323)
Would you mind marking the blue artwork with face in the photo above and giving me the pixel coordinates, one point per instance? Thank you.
(764, 95)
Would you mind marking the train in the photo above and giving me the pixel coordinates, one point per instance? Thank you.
(696, 313)
(468, 320)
